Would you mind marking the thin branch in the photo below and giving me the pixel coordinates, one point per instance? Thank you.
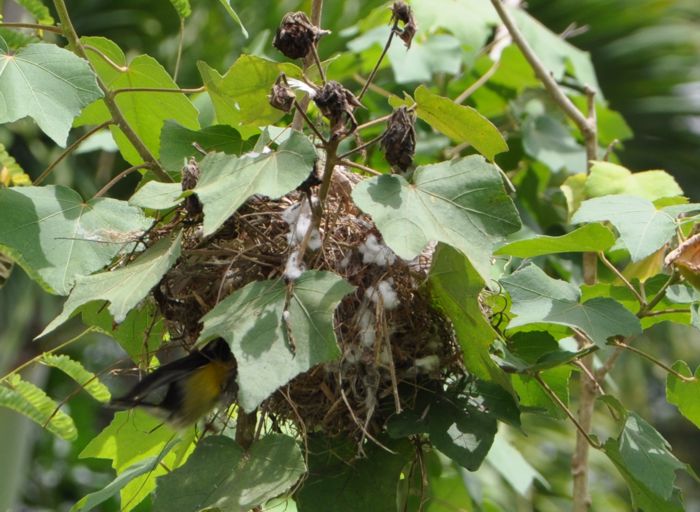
(362, 146)
(361, 167)
(298, 120)
(622, 278)
(363, 81)
(610, 149)
(77, 46)
(37, 26)
(667, 311)
(317, 60)
(117, 179)
(373, 122)
(658, 363)
(180, 42)
(585, 125)
(379, 60)
(302, 113)
(158, 89)
(478, 83)
(69, 150)
(566, 410)
(104, 57)
(659, 295)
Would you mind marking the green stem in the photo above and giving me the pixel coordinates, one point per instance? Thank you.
(658, 363)
(622, 278)
(157, 89)
(37, 26)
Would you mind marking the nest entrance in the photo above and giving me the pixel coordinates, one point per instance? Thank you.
(393, 342)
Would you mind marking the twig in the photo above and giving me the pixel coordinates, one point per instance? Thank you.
(379, 60)
(478, 83)
(362, 146)
(659, 295)
(117, 179)
(302, 111)
(69, 150)
(373, 122)
(298, 121)
(317, 60)
(104, 57)
(622, 278)
(566, 410)
(37, 26)
(361, 167)
(658, 363)
(76, 45)
(667, 311)
(610, 149)
(180, 42)
(363, 81)
(158, 89)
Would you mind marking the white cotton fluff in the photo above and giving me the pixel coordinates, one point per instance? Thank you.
(345, 261)
(427, 364)
(298, 85)
(375, 252)
(293, 269)
(384, 292)
(298, 216)
(366, 326)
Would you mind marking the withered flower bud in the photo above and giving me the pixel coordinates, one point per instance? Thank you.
(296, 35)
(399, 140)
(337, 104)
(281, 96)
(401, 12)
(190, 177)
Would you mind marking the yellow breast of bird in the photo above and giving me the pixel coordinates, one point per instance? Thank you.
(206, 385)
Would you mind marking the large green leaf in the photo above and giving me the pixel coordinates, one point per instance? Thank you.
(271, 345)
(513, 467)
(76, 371)
(537, 298)
(470, 21)
(56, 236)
(240, 95)
(549, 140)
(685, 395)
(341, 482)
(221, 475)
(123, 288)
(533, 397)
(455, 287)
(588, 238)
(642, 455)
(461, 203)
(642, 227)
(460, 123)
(158, 195)
(48, 83)
(144, 111)
(228, 181)
(607, 179)
(134, 437)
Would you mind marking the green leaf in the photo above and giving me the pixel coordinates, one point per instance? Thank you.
(143, 467)
(123, 288)
(182, 7)
(158, 195)
(588, 238)
(460, 123)
(471, 21)
(513, 467)
(229, 10)
(226, 182)
(76, 371)
(537, 298)
(455, 287)
(461, 203)
(221, 475)
(176, 143)
(133, 437)
(340, 481)
(269, 350)
(47, 83)
(607, 178)
(55, 236)
(642, 227)
(144, 111)
(29, 400)
(685, 395)
(549, 140)
(140, 334)
(240, 95)
(37, 9)
(534, 397)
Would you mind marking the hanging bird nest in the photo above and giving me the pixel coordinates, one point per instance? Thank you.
(393, 342)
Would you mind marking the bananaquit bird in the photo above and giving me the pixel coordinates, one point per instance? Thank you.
(186, 389)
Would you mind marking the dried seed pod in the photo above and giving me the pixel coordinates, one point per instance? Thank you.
(401, 12)
(399, 140)
(337, 104)
(190, 177)
(281, 96)
(296, 35)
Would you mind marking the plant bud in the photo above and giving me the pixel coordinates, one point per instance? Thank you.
(401, 12)
(190, 177)
(399, 140)
(296, 35)
(281, 96)
(337, 104)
